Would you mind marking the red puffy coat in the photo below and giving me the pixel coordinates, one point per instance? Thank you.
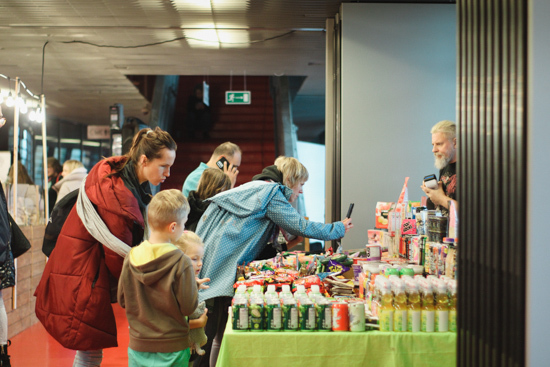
(73, 298)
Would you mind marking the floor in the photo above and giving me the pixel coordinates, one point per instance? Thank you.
(34, 347)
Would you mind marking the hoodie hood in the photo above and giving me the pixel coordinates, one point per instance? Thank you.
(76, 175)
(149, 262)
(270, 173)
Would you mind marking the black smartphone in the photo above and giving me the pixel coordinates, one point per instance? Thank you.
(430, 181)
(350, 210)
(221, 161)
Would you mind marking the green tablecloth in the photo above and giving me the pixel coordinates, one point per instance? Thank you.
(371, 348)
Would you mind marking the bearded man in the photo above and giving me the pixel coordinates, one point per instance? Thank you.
(444, 150)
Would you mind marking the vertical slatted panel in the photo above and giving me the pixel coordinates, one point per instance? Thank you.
(491, 103)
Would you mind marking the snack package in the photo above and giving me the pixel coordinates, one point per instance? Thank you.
(307, 282)
(408, 226)
(382, 209)
(374, 236)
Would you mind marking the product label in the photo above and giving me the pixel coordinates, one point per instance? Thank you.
(442, 321)
(293, 319)
(413, 321)
(311, 322)
(386, 320)
(327, 321)
(242, 323)
(275, 323)
(428, 321)
(452, 321)
(400, 321)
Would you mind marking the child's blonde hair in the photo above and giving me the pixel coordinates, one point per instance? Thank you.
(166, 207)
(72, 164)
(187, 240)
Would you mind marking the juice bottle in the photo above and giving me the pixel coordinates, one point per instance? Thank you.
(427, 312)
(441, 308)
(385, 313)
(400, 305)
(452, 306)
(413, 307)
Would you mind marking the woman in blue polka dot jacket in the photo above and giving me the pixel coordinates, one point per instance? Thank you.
(239, 223)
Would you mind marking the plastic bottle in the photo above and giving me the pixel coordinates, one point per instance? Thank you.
(300, 293)
(452, 306)
(385, 313)
(400, 305)
(428, 312)
(413, 307)
(271, 292)
(441, 308)
(315, 293)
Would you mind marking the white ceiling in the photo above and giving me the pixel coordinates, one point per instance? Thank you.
(80, 81)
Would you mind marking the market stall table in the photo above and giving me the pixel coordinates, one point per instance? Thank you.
(371, 348)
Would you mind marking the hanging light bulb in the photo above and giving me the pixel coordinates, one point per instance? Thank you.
(32, 115)
(10, 101)
(23, 107)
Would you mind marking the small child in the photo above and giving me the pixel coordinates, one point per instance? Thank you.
(192, 246)
(158, 288)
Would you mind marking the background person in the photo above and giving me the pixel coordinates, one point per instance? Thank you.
(212, 182)
(444, 150)
(73, 174)
(73, 298)
(236, 227)
(231, 152)
(54, 175)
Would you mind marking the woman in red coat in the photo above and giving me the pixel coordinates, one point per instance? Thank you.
(79, 283)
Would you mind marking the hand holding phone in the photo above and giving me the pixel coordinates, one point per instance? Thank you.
(221, 161)
(430, 181)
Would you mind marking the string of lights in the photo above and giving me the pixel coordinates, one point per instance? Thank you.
(23, 103)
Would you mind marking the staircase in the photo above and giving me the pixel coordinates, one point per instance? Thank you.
(251, 127)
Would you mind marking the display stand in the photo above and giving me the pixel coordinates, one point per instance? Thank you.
(370, 348)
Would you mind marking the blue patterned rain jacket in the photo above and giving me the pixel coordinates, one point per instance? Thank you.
(238, 225)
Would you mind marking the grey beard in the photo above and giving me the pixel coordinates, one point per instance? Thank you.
(442, 162)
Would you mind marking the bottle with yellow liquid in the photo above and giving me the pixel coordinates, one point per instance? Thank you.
(452, 306)
(441, 308)
(427, 311)
(413, 307)
(385, 313)
(400, 305)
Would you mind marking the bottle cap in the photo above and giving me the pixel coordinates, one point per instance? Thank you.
(271, 288)
(315, 288)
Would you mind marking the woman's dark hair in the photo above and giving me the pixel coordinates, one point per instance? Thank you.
(147, 142)
(54, 163)
(212, 182)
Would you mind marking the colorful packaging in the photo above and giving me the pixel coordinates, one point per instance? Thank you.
(382, 209)
(340, 317)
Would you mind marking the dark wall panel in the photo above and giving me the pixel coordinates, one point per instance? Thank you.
(491, 191)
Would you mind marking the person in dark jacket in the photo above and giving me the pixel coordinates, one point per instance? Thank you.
(7, 275)
(73, 298)
(212, 182)
(55, 171)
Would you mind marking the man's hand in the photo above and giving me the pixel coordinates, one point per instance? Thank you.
(437, 196)
(348, 224)
(232, 172)
(200, 283)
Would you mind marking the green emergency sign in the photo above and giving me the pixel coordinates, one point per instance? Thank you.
(237, 97)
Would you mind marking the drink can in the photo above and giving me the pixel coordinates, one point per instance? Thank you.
(240, 315)
(308, 317)
(290, 315)
(356, 312)
(340, 317)
(324, 316)
(274, 316)
(256, 313)
(374, 252)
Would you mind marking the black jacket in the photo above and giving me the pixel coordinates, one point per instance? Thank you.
(198, 207)
(5, 231)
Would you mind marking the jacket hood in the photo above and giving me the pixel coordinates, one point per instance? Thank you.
(270, 173)
(112, 194)
(149, 262)
(77, 174)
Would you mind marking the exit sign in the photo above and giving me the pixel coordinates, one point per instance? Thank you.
(237, 97)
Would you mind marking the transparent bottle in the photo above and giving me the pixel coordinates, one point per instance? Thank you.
(428, 311)
(441, 308)
(413, 307)
(386, 311)
(452, 306)
(400, 306)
